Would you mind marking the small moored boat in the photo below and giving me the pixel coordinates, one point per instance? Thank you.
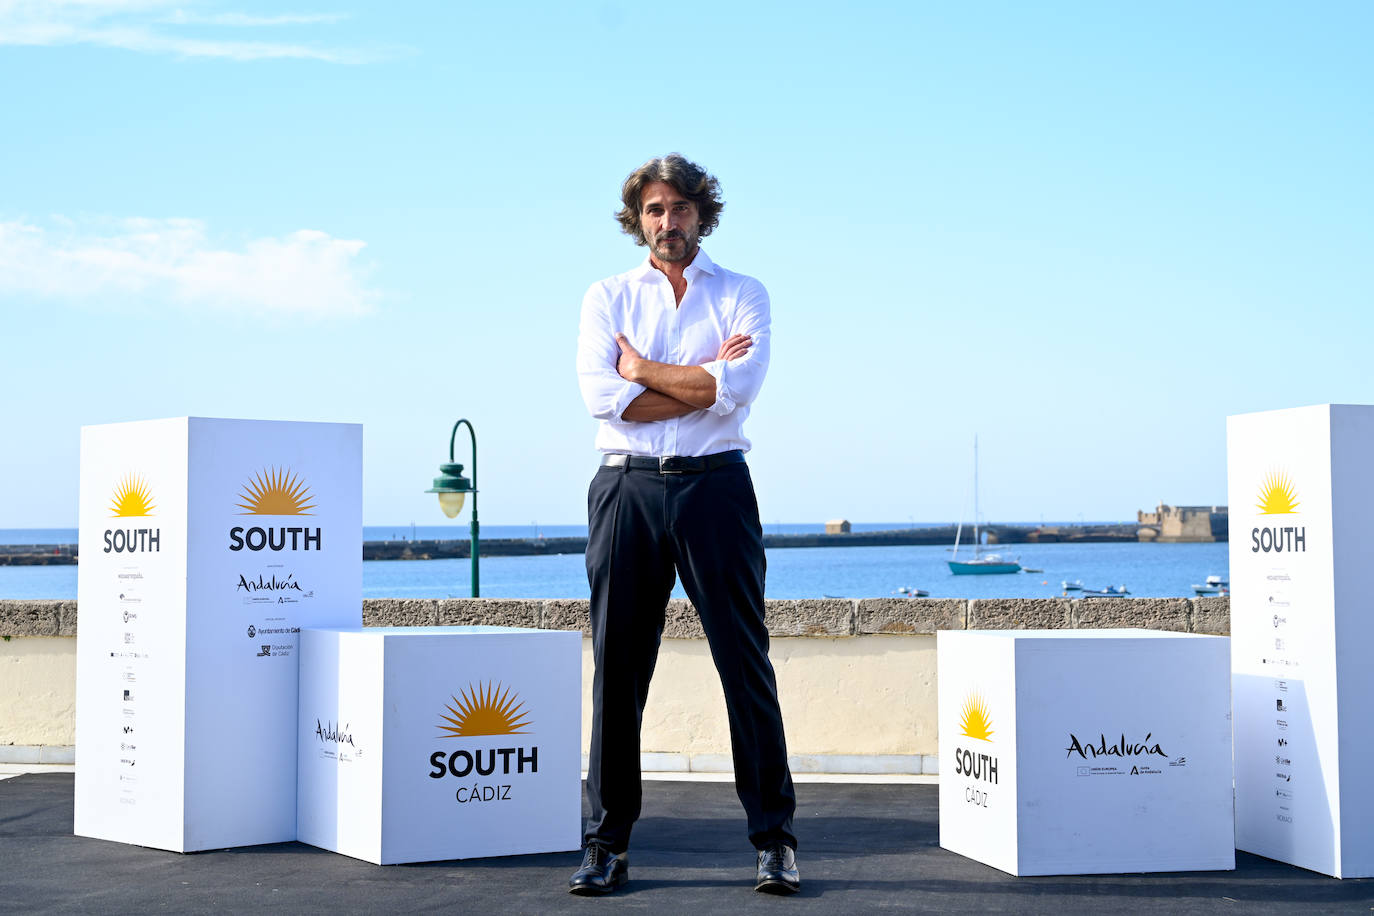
(1215, 585)
(1111, 591)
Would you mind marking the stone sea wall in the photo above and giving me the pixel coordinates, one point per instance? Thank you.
(829, 617)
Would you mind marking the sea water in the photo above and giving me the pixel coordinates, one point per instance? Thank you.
(1147, 570)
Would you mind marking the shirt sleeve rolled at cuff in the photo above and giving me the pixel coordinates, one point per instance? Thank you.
(623, 397)
(725, 401)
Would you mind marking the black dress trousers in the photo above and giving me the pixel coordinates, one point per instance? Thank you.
(643, 526)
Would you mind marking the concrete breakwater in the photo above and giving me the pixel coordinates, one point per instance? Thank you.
(37, 554)
(66, 554)
(512, 547)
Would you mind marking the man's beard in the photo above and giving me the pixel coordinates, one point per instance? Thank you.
(663, 253)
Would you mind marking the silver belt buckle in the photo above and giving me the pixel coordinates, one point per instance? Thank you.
(663, 467)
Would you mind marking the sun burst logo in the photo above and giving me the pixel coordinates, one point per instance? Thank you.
(132, 498)
(1277, 496)
(485, 711)
(276, 492)
(974, 720)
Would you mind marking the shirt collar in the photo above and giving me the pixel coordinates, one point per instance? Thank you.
(702, 263)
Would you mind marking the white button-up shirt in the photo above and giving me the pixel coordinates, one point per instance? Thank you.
(640, 304)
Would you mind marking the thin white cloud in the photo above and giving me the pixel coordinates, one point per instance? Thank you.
(158, 27)
(171, 262)
(243, 20)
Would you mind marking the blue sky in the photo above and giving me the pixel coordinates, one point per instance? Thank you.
(1085, 232)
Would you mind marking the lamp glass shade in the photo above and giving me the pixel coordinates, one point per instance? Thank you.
(451, 503)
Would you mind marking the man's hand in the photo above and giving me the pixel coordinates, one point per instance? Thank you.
(735, 346)
(650, 404)
(630, 360)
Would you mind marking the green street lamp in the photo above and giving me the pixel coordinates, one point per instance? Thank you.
(452, 486)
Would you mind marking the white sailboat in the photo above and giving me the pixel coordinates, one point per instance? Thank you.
(980, 565)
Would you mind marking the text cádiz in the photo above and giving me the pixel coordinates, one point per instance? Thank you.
(463, 763)
(274, 538)
(133, 540)
(1277, 540)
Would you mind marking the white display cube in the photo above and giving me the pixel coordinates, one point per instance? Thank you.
(205, 546)
(419, 744)
(1069, 752)
(1302, 621)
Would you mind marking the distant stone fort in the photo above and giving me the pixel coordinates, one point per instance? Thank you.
(1183, 524)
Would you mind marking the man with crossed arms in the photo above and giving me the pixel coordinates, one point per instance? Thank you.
(670, 355)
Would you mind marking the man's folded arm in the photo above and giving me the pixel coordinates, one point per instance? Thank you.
(691, 387)
(654, 405)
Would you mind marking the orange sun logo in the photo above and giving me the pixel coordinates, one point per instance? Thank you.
(1277, 496)
(485, 711)
(276, 492)
(974, 721)
(132, 498)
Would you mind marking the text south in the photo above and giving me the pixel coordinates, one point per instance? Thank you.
(274, 538)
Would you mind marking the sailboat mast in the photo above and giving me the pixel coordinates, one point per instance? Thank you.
(977, 541)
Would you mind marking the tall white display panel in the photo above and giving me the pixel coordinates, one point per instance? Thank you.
(1302, 623)
(205, 546)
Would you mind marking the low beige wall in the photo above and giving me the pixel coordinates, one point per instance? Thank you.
(856, 678)
(38, 690)
(870, 695)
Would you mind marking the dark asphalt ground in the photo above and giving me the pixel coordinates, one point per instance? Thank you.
(865, 848)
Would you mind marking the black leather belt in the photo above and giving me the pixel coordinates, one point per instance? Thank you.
(673, 464)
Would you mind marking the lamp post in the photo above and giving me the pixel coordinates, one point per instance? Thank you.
(452, 486)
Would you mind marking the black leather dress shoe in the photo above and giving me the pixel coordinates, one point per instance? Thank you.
(778, 870)
(601, 872)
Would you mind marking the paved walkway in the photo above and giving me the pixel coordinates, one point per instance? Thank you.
(865, 848)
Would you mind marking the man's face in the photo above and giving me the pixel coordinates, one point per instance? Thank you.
(670, 222)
